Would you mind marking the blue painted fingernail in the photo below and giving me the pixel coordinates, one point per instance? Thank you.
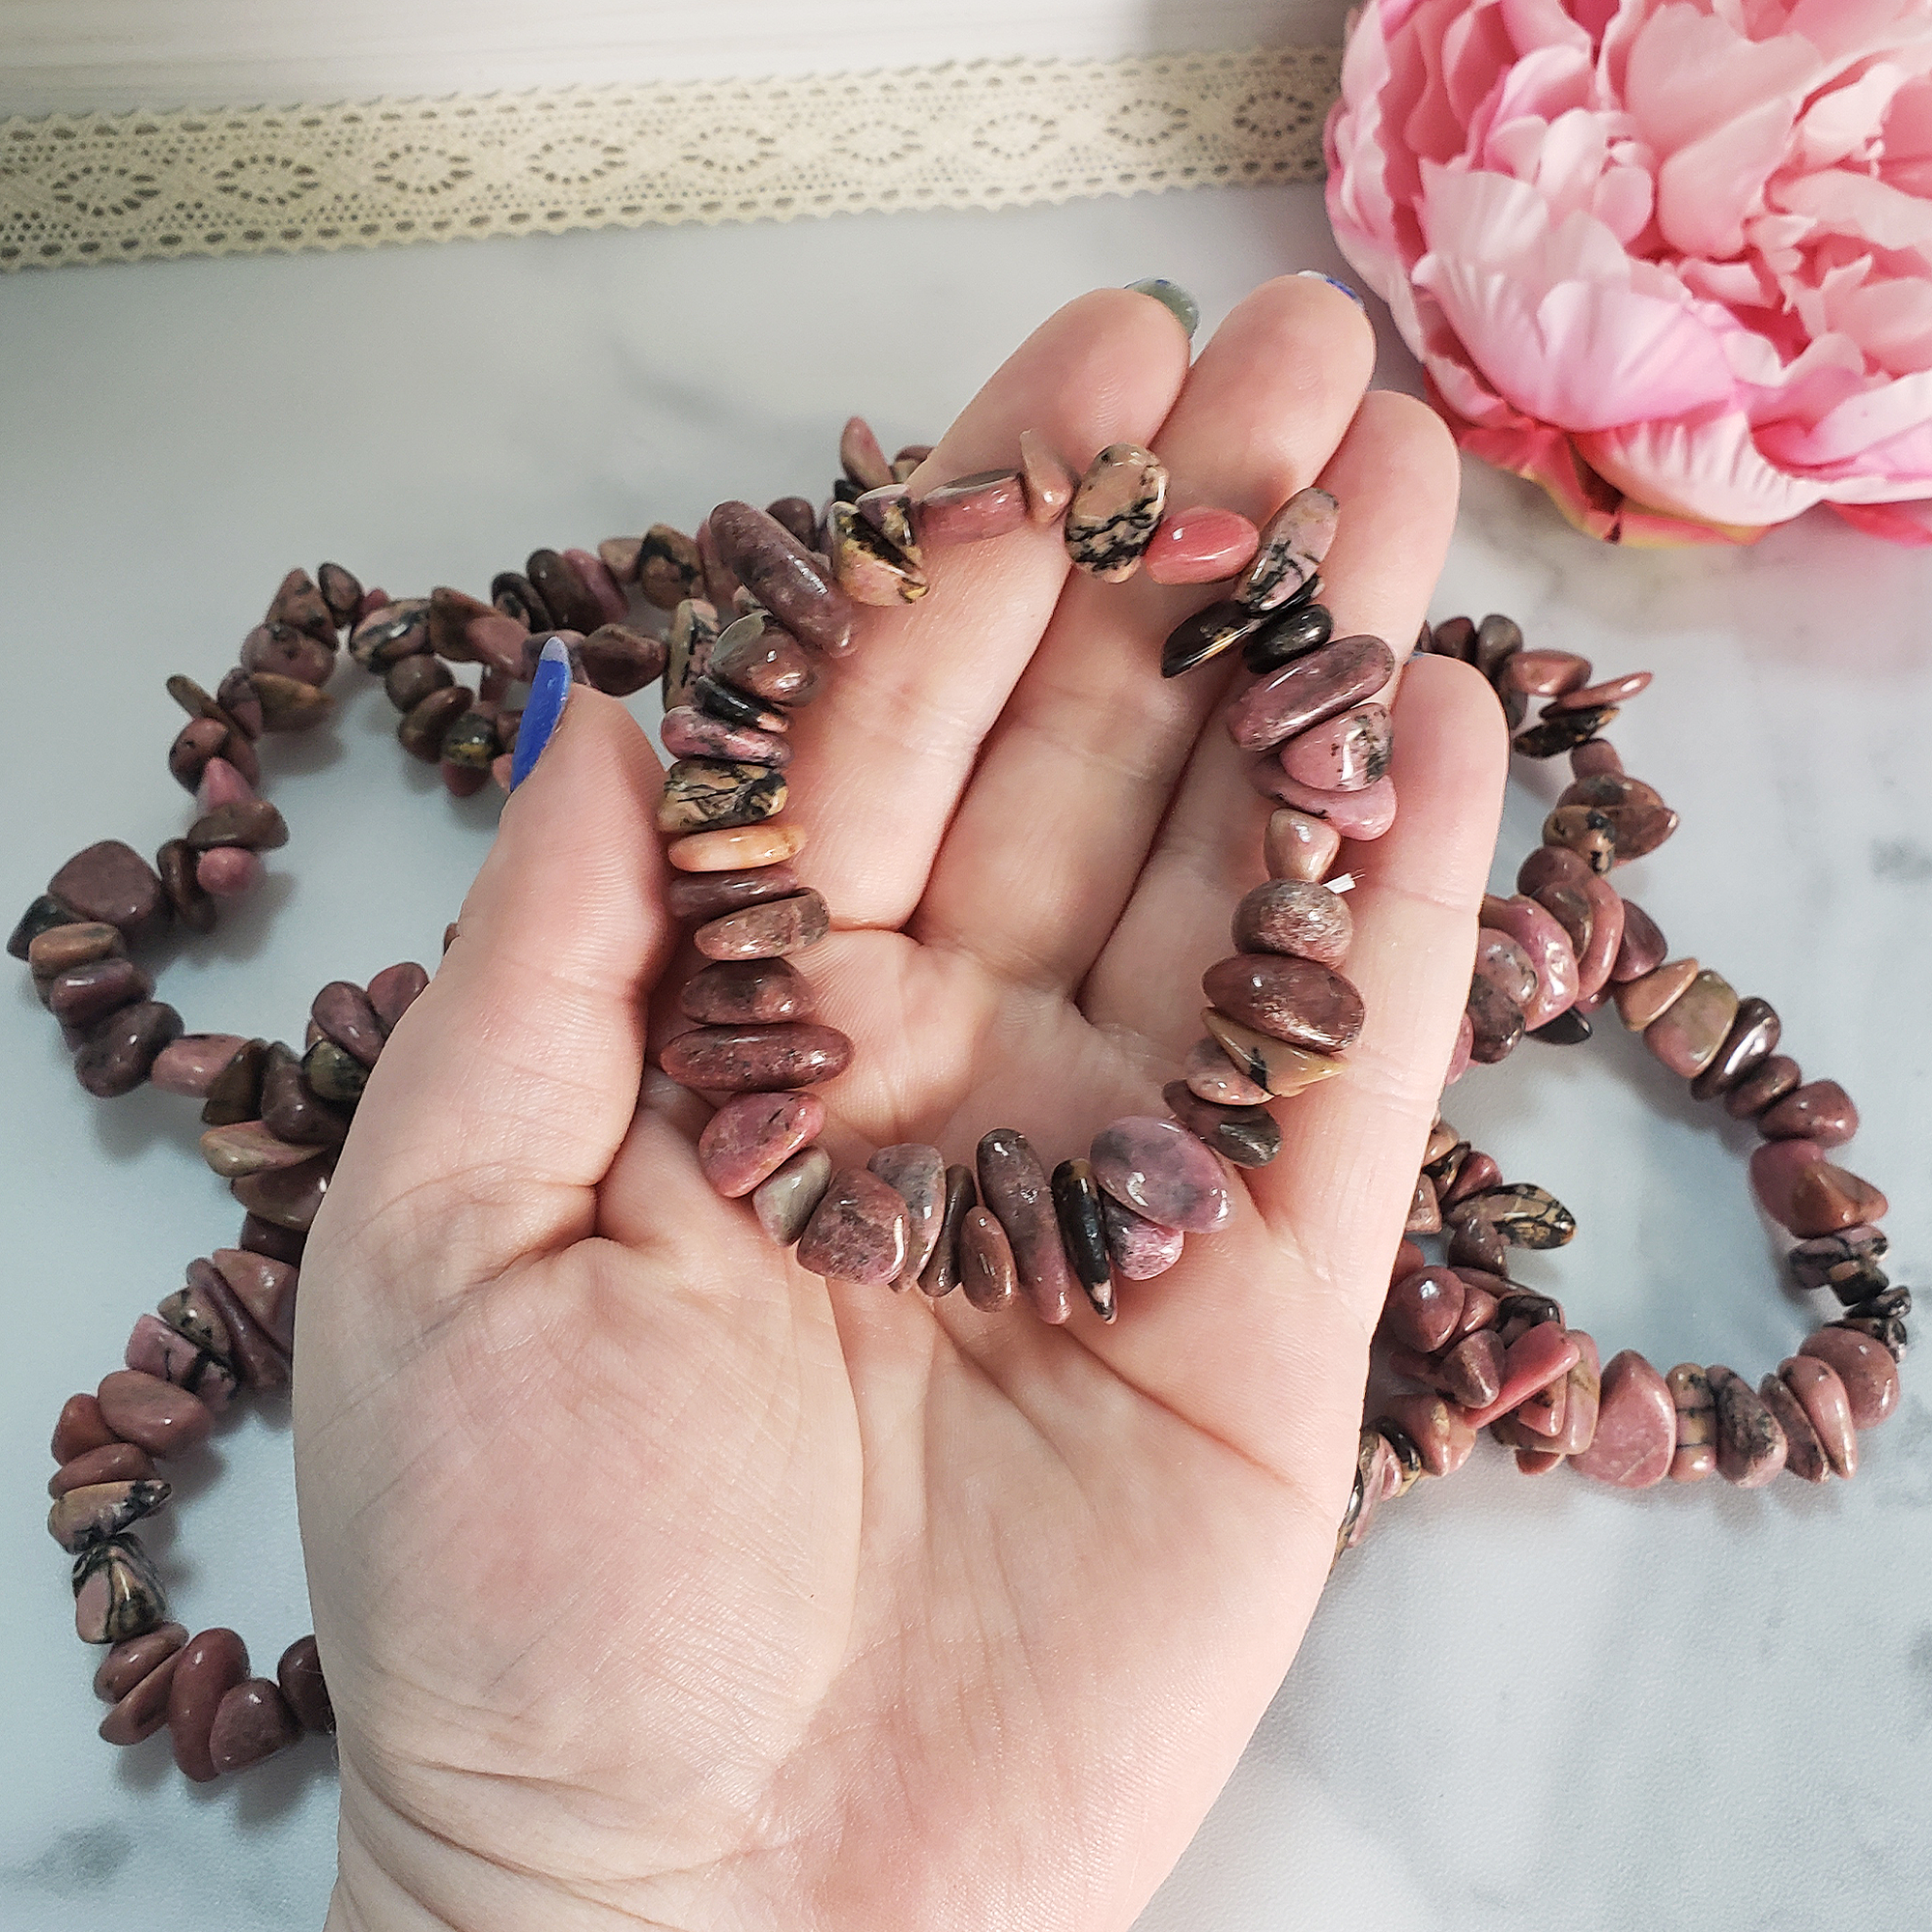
(1172, 296)
(1318, 276)
(541, 709)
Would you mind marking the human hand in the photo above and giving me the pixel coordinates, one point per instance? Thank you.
(659, 1582)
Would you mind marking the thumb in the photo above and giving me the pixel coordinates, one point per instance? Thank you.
(495, 1108)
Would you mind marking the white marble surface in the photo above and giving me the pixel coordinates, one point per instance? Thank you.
(1521, 1705)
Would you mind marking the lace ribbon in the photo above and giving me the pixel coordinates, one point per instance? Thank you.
(984, 134)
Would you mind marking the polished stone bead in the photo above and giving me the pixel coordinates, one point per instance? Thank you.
(619, 661)
(333, 1073)
(669, 570)
(1864, 1366)
(1506, 966)
(858, 1232)
(1173, 297)
(1425, 1210)
(394, 991)
(1567, 1029)
(199, 742)
(792, 583)
(1210, 1076)
(288, 1105)
(746, 992)
(1139, 1249)
(705, 896)
(341, 593)
(80, 1427)
(1563, 732)
(1303, 694)
(1290, 552)
(753, 1135)
(1612, 691)
(228, 872)
(1803, 1453)
(703, 792)
(941, 1274)
(1751, 1444)
(1525, 1214)
(190, 1065)
(1297, 845)
(212, 1664)
(1013, 1188)
(572, 604)
(289, 703)
(1424, 1308)
(46, 914)
(1286, 635)
(391, 633)
(407, 683)
(1821, 1110)
(1753, 1032)
(280, 651)
(120, 1049)
(1824, 1199)
(99, 1510)
(64, 949)
(83, 996)
(621, 557)
(1247, 1136)
(155, 1350)
(252, 1723)
(917, 1173)
(736, 848)
(756, 1058)
(1687, 1035)
(1279, 1066)
(1354, 814)
(1495, 1022)
(1293, 1000)
(117, 1591)
(766, 931)
(868, 567)
(290, 1196)
(298, 603)
(722, 588)
(1642, 948)
(1536, 1359)
(1603, 936)
(1083, 1232)
(1479, 1173)
(1636, 1426)
(1199, 546)
(1641, 1003)
(1639, 820)
(602, 587)
(134, 1659)
(248, 1147)
(299, 1675)
(758, 657)
(1763, 1087)
(1348, 753)
(726, 704)
(264, 1287)
(1695, 1455)
(1049, 479)
(107, 884)
(1774, 1168)
(988, 1270)
(1548, 951)
(110, 1462)
(1453, 637)
(1159, 1169)
(690, 647)
(784, 1203)
(1545, 673)
(971, 510)
(343, 1012)
(1116, 511)
(1207, 634)
(1815, 1386)
(1498, 641)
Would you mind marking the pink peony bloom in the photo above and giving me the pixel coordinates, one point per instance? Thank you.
(1670, 259)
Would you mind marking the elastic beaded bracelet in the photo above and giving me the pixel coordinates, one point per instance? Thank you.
(1489, 1352)
(752, 608)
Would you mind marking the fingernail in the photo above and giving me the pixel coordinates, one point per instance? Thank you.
(1172, 296)
(541, 709)
(1317, 275)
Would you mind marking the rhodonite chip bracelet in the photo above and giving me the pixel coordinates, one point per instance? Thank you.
(746, 622)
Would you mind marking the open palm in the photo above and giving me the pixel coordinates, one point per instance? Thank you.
(661, 1583)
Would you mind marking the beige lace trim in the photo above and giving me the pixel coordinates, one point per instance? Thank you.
(984, 134)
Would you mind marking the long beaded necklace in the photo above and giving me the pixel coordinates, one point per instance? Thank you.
(744, 621)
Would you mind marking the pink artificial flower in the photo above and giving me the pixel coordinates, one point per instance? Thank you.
(1670, 259)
